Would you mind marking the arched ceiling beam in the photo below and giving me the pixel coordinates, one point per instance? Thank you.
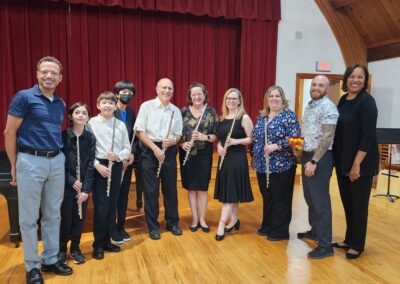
(351, 44)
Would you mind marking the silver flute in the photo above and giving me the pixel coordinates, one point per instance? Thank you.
(266, 155)
(191, 139)
(226, 141)
(78, 175)
(164, 148)
(111, 163)
(133, 139)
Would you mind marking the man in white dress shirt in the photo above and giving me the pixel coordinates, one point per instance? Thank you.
(152, 125)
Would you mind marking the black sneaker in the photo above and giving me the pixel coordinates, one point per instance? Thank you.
(62, 257)
(116, 238)
(78, 257)
(320, 252)
(34, 277)
(125, 236)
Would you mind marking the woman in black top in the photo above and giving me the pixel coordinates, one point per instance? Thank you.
(356, 156)
(196, 171)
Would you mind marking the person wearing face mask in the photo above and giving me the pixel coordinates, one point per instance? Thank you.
(356, 156)
(125, 91)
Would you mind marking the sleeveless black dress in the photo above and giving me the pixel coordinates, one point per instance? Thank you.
(232, 184)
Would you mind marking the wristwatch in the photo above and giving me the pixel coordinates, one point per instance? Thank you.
(208, 137)
(313, 162)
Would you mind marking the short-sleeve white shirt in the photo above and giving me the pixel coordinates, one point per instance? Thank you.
(153, 118)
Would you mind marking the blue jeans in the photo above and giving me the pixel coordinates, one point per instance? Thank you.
(40, 186)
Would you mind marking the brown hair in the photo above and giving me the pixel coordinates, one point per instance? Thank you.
(203, 89)
(107, 95)
(49, 59)
(73, 108)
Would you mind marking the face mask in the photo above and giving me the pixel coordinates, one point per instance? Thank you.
(125, 98)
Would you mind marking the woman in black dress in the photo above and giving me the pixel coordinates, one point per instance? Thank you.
(356, 156)
(196, 172)
(232, 184)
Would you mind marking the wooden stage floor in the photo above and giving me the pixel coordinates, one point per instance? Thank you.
(243, 257)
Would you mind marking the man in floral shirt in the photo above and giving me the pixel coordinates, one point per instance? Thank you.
(318, 129)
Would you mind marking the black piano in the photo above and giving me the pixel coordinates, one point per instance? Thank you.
(10, 193)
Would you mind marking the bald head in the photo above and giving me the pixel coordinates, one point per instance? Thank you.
(319, 87)
(165, 90)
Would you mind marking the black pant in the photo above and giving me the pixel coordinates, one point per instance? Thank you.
(71, 225)
(151, 184)
(355, 198)
(105, 207)
(277, 202)
(123, 198)
(139, 187)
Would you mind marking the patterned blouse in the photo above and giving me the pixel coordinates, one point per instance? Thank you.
(280, 129)
(207, 126)
(316, 114)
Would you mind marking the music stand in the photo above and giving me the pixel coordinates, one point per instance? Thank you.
(388, 136)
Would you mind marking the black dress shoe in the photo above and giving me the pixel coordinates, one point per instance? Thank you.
(274, 239)
(204, 229)
(261, 232)
(236, 227)
(175, 230)
(306, 236)
(111, 248)
(34, 277)
(98, 253)
(353, 255)
(155, 235)
(58, 268)
(219, 237)
(338, 245)
(194, 228)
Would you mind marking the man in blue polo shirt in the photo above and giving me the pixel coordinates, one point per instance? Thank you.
(33, 144)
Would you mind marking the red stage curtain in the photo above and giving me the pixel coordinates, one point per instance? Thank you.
(101, 45)
(266, 10)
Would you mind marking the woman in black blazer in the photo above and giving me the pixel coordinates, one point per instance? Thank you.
(356, 156)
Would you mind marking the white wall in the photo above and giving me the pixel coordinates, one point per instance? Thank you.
(385, 87)
(317, 42)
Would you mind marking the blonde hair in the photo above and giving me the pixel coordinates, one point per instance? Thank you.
(264, 112)
(224, 109)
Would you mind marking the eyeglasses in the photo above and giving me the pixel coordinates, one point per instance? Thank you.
(46, 72)
(232, 99)
(197, 95)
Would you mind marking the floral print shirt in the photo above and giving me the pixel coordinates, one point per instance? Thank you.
(279, 130)
(317, 113)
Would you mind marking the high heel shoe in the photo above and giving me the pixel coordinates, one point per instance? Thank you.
(219, 237)
(236, 227)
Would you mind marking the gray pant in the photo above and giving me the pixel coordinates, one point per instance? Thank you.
(40, 185)
(316, 194)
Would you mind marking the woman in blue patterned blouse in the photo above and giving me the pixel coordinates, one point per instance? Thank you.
(275, 162)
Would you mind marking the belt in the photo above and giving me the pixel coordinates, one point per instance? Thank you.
(39, 153)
